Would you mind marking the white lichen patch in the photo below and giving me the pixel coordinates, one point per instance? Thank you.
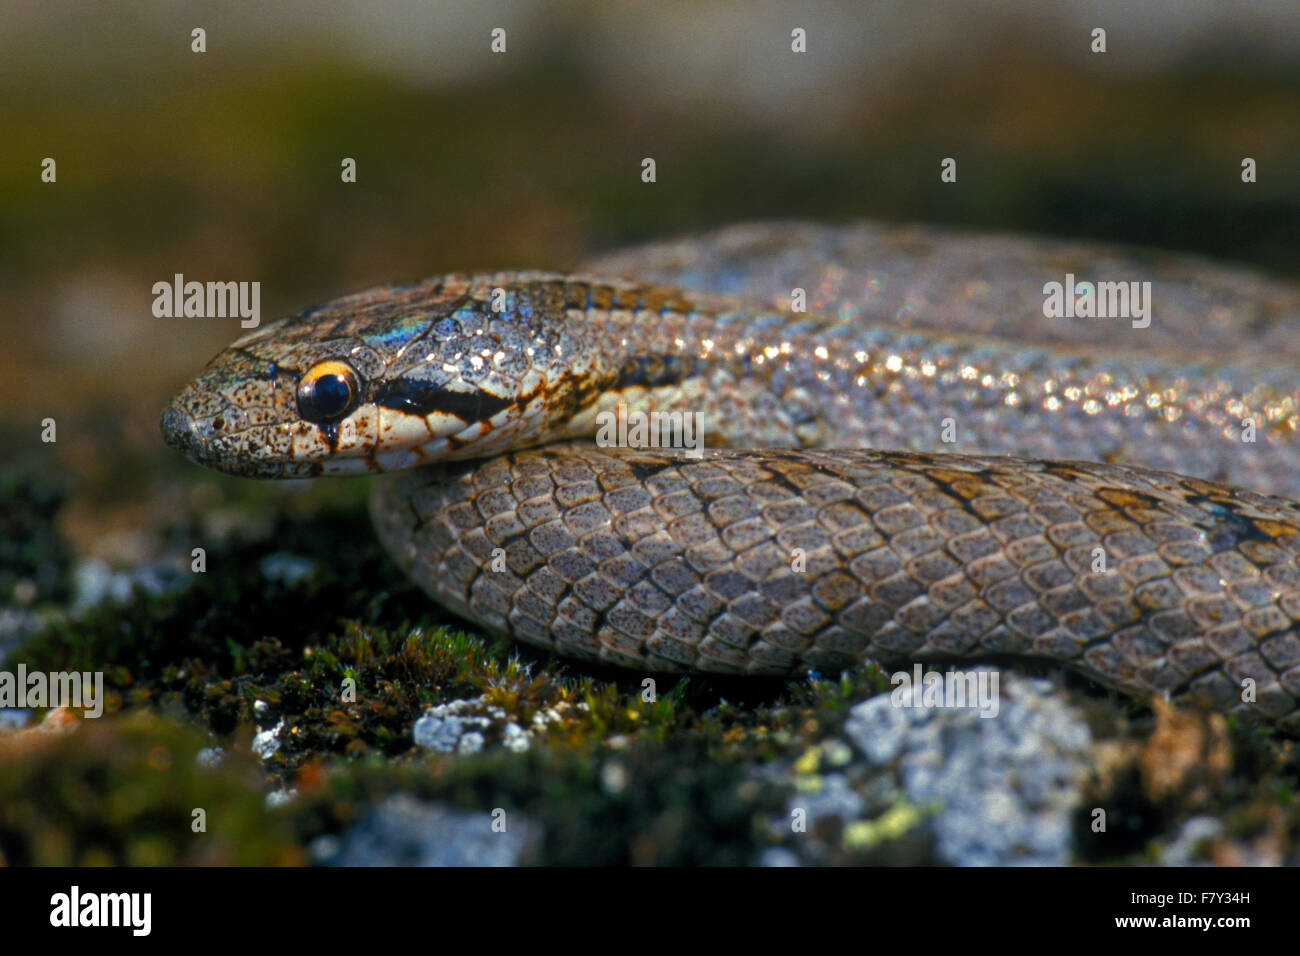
(267, 742)
(470, 726)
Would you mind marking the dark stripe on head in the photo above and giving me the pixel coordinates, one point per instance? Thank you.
(421, 398)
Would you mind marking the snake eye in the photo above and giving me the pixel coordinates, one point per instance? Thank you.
(328, 391)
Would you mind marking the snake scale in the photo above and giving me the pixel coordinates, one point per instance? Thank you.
(918, 465)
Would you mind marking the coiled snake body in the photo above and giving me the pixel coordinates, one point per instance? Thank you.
(879, 521)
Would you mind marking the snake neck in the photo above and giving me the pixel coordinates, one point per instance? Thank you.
(765, 378)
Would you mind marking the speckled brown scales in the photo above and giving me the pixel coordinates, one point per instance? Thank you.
(664, 563)
(659, 563)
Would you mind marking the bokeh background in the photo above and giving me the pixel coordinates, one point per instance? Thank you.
(226, 164)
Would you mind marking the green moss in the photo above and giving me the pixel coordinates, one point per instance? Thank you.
(863, 835)
(124, 791)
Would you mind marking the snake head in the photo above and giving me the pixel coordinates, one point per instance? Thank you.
(461, 366)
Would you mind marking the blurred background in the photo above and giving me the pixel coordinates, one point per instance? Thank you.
(225, 165)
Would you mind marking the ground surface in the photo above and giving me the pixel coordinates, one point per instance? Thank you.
(228, 692)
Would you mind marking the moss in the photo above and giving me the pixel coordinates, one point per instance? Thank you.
(124, 791)
(893, 823)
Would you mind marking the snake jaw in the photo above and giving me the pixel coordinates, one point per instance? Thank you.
(233, 416)
(214, 443)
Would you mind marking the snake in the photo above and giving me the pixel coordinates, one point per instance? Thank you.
(902, 455)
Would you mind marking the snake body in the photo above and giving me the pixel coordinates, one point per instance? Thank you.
(856, 502)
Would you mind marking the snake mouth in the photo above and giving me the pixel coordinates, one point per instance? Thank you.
(196, 440)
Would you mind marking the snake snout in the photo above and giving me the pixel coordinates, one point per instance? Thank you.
(182, 433)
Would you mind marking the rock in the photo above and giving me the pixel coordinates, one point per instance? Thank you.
(403, 831)
(267, 742)
(209, 758)
(469, 726)
(286, 569)
(516, 739)
(830, 796)
(1004, 789)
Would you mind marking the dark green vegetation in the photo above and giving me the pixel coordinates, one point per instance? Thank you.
(33, 558)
